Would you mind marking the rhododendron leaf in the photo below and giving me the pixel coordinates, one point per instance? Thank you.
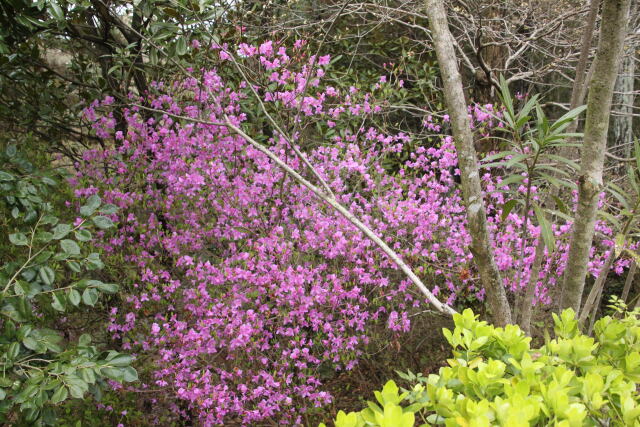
(545, 228)
(507, 207)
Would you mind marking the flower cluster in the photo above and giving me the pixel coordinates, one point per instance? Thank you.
(246, 285)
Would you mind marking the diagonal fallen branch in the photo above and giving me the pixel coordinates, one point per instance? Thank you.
(327, 198)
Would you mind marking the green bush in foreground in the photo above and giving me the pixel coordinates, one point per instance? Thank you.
(46, 277)
(495, 378)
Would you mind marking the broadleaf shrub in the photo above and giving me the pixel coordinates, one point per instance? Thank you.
(46, 280)
(495, 378)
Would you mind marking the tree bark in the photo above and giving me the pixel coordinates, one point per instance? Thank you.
(615, 18)
(622, 122)
(468, 164)
(578, 92)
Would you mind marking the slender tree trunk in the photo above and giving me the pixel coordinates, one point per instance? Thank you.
(615, 18)
(627, 284)
(579, 88)
(468, 164)
(578, 93)
(593, 300)
(622, 122)
(526, 306)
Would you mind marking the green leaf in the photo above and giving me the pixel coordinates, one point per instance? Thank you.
(70, 247)
(14, 350)
(94, 262)
(87, 375)
(44, 236)
(47, 275)
(83, 235)
(60, 231)
(18, 239)
(545, 228)
(110, 288)
(619, 244)
(130, 374)
(93, 203)
(74, 297)
(511, 180)
(115, 374)
(84, 340)
(30, 342)
(11, 150)
(4, 176)
(102, 222)
(90, 296)
(108, 209)
(121, 360)
(57, 302)
(77, 386)
(56, 10)
(75, 266)
(508, 207)
(181, 46)
(60, 395)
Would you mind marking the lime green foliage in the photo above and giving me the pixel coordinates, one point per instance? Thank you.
(44, 275)
(495, 378)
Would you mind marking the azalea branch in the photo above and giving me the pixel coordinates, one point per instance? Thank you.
(328, 199)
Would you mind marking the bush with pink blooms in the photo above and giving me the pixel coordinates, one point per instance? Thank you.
(240, 283)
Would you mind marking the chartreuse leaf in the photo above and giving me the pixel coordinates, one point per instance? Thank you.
(495, 378)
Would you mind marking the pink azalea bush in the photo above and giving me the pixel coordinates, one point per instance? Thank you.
(245, 283)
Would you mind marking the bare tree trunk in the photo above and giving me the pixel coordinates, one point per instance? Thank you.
(622, 122)
(579, 88)
(468, 164)
(526, 306)
(593, 300)
(578, 91)
(615, 17)
(627, 284)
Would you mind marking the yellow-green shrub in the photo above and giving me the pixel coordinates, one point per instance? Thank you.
(495, 378)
